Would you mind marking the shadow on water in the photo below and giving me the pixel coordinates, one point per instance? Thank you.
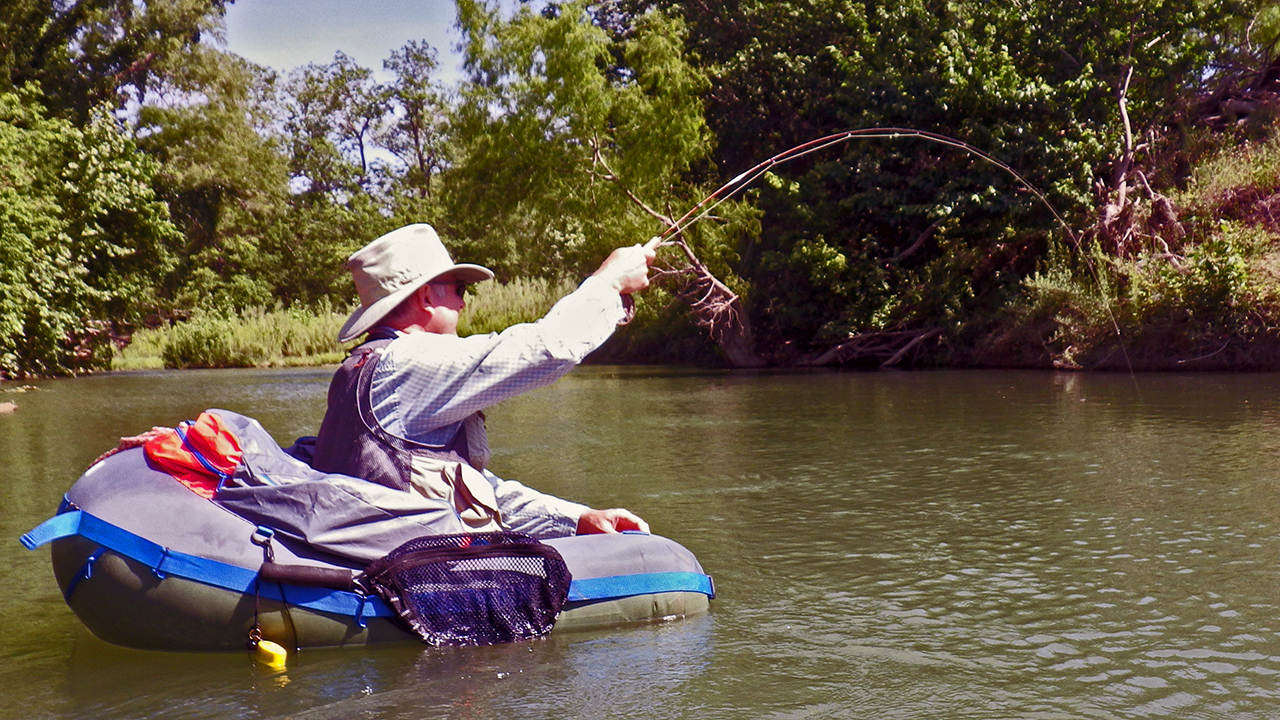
(923, 545)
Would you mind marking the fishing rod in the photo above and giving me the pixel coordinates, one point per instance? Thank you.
(743, 180)
(672, 234)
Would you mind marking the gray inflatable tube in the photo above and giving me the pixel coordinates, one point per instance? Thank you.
(146, 563)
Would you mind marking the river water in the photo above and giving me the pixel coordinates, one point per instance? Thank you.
(885, 545)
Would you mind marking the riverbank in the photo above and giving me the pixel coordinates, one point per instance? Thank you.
(1186, 276)
(1183, 278)
(298, 337)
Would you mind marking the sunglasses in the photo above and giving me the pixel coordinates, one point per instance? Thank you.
(459, 286)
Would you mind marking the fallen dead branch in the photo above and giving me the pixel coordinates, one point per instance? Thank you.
(890, 347)
(716, 308)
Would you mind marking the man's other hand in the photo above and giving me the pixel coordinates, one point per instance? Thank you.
(610, 521)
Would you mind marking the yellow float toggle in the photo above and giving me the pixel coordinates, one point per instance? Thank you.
(271, 654)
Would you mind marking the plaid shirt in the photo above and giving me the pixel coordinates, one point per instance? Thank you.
(426, 384)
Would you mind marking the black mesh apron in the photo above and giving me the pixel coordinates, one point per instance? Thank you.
(472, 589)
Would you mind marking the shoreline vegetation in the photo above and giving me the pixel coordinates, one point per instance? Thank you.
(164, 202)
(1201, 291)
(1205, 295)
(287, 338)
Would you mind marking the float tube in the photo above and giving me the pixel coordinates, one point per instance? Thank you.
(146, 563)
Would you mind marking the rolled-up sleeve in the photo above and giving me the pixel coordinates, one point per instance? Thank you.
(535, 513)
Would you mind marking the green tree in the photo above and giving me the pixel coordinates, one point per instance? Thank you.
(310, 245)
(83, 238)
(418, 131)
(85, 53)
(884, 236)
(344, 188)
(222, 174)
(331, 112)
(558, 125)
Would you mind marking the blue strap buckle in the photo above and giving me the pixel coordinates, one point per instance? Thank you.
(262, 535)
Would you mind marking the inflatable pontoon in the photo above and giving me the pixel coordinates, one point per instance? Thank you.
(145, 562)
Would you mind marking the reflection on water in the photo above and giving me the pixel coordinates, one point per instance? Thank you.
(885, 545)
(553, 677)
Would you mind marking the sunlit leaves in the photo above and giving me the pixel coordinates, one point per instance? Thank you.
(1035, 83)
(559, 123)
(97, 52)
(418, 105)
(83, 239)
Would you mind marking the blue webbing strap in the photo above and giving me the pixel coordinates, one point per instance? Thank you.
(163, 561)
(86, 572)
(617, 586)
(64, 524)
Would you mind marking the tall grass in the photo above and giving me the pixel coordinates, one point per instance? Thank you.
(1224, 171)
(491, 306)
(144, 351)
(255, 338)
(276, 338)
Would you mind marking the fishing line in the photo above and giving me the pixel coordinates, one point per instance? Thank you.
(670, 236)
(743, 180)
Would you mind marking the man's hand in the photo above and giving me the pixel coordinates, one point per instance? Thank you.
(627, 268)
(610, 521)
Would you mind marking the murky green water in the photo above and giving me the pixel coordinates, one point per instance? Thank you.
(925, 545)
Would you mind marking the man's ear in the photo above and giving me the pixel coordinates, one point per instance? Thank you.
(424, 297)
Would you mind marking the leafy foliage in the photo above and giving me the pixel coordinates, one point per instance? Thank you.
(493, 306)
(330, 112)
(559, 123)
(1205, 297)
(222, 175)
(417, 133)
(84, 241)
(926, 234)
(92, 53)
(583, 122)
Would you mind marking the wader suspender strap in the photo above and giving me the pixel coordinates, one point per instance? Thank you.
(163, 561)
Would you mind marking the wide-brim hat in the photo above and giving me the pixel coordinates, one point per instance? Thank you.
(391, 268)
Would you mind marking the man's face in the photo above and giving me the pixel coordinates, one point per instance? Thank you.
(445, 301)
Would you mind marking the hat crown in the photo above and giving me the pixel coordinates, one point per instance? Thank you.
(396, 260)
(389, 270)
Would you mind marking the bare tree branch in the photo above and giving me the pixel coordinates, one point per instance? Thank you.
(928, 232)
(714, 305)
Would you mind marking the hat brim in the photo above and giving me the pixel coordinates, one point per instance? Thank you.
(364, 318)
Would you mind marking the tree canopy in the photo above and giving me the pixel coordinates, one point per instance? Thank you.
(152, 174)
(87, 53)
(84, 240)
(882, 234)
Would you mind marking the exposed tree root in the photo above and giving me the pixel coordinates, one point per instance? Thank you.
(716, 308)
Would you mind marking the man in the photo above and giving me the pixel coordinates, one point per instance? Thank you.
(405, 408)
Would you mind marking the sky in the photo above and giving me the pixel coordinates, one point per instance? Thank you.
(285, 34)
